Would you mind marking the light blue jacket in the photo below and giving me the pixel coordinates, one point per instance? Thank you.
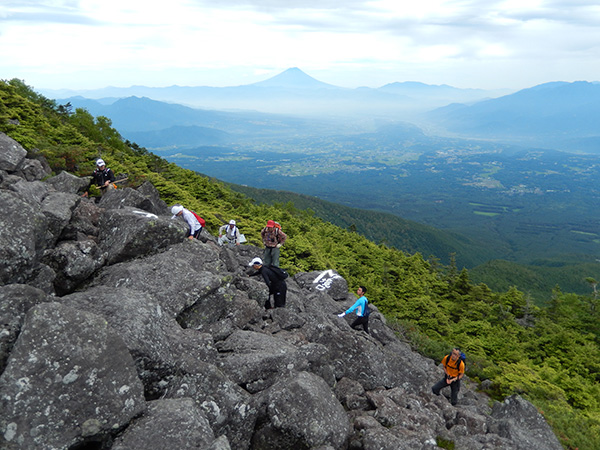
(360, 304)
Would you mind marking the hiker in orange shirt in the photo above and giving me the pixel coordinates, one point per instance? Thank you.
(454, 370)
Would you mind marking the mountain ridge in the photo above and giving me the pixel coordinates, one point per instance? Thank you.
(295, 92)
(546, 115)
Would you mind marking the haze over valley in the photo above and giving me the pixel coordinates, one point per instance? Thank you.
(515, 175)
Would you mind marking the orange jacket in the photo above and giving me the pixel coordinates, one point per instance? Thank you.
(450, 366)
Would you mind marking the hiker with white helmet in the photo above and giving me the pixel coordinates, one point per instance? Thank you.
(229, 233)
(195, 222)
(274, 278)
(103, 176)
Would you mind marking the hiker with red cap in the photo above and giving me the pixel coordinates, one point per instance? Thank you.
(273, 238)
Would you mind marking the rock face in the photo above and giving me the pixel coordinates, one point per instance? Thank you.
(117, 332)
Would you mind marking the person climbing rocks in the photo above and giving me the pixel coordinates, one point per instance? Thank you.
(362, 313)
(274, 281)
(273, 238)
(229, 234)
(454, 370)
(195, 222)
(103, 176)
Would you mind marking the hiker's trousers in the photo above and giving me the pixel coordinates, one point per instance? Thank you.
(360, 320)
(454, 388)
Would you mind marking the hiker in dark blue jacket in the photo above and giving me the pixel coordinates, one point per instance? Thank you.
(362, 313)
(276, 284)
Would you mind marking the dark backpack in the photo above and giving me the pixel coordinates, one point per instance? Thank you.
(281, 274)
(199, 219)
(367, 312)
(462, 358)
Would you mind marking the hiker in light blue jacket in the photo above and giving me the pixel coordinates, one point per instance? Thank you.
(362, 313)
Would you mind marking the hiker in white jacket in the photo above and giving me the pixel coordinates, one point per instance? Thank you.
(190, 218)
(229, 233)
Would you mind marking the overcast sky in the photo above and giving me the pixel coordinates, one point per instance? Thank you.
(464, 43)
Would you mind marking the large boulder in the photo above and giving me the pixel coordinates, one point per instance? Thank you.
(15, 301)
(34, 169)
(69, 380)
(73, 262)
(131, 233)
(166, 425)
(159, 207)
(229, 409)
(22, 232)
(157, 343)
(84, 221)
(301, 412)
(120, 198)
(519, 421)
(256, 360)
(12, 154)
(58, 208)
(146, 197)
(31, 192)
(178, 278)
(328, 281)
(69, 183)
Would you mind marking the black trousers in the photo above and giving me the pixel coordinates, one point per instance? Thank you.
(454, 388)
(279, 295)
(360, 320)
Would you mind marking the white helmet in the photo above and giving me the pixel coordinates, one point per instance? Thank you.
(176, 210)
(256, 261)
(232, 222)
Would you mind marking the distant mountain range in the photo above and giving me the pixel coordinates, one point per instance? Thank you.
(155, 124)
(557, 115)
(295, 92)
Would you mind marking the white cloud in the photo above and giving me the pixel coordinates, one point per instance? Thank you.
(466, 43)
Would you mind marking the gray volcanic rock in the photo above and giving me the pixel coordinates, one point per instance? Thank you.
(301, 411)
(140, 338)
(519, 421)
(15, 301)
(12, 155)
(22, 232)
(158, 345)
(34, 169)
(159, 207)
(69, 183)
(31, 192)
(58, 208)
(69, 378)
(187, 427)
(128, 233)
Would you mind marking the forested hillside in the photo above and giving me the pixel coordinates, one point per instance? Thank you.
(382, 228)
(537, 279)
(549, 355)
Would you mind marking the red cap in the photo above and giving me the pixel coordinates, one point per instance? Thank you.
(270, 223)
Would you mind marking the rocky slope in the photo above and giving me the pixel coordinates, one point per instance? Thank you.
(116, 332)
